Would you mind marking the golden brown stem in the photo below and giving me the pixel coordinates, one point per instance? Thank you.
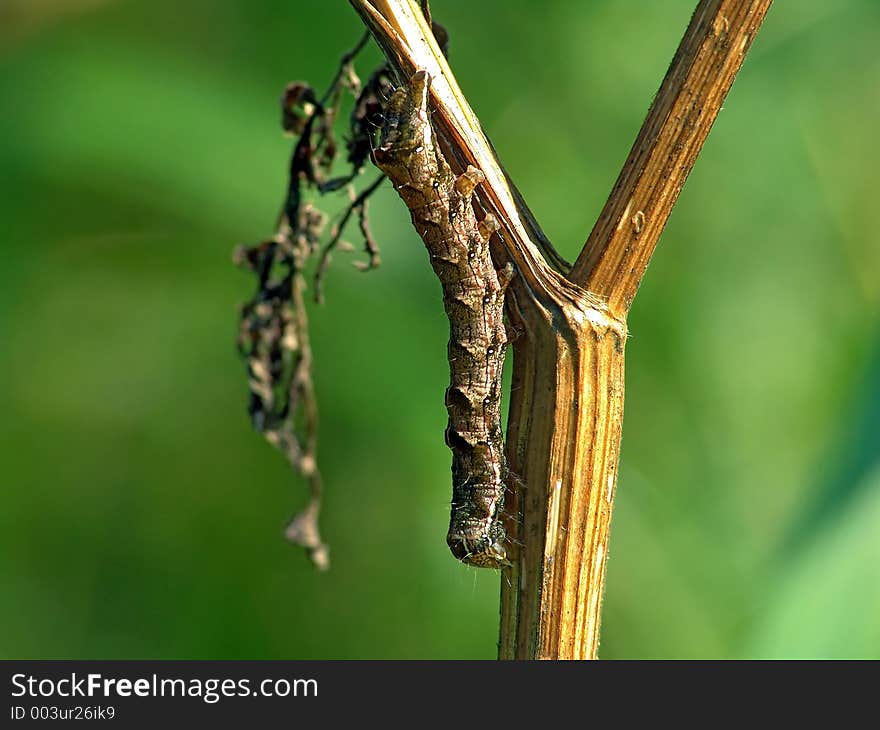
(564, 427)
(714, 47)
(563, 440)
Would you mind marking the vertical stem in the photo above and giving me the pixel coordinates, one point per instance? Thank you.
(563, 442)
(563, 436)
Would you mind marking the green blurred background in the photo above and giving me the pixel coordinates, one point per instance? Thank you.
(142, 517)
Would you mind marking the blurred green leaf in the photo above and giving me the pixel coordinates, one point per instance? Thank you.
(825, 601)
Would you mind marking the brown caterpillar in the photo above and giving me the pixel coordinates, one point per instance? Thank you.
(473, 296)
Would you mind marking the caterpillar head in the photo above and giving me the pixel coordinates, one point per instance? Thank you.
(482, 547)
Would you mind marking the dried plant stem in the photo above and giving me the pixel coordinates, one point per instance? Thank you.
(714, 46)
(563, 438)
(564, 427)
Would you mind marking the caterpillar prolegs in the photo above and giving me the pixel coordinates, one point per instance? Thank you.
(473, 296)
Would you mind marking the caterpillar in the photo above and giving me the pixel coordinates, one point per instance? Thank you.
(473, 297)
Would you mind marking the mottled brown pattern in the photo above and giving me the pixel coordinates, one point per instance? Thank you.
(473, 295)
